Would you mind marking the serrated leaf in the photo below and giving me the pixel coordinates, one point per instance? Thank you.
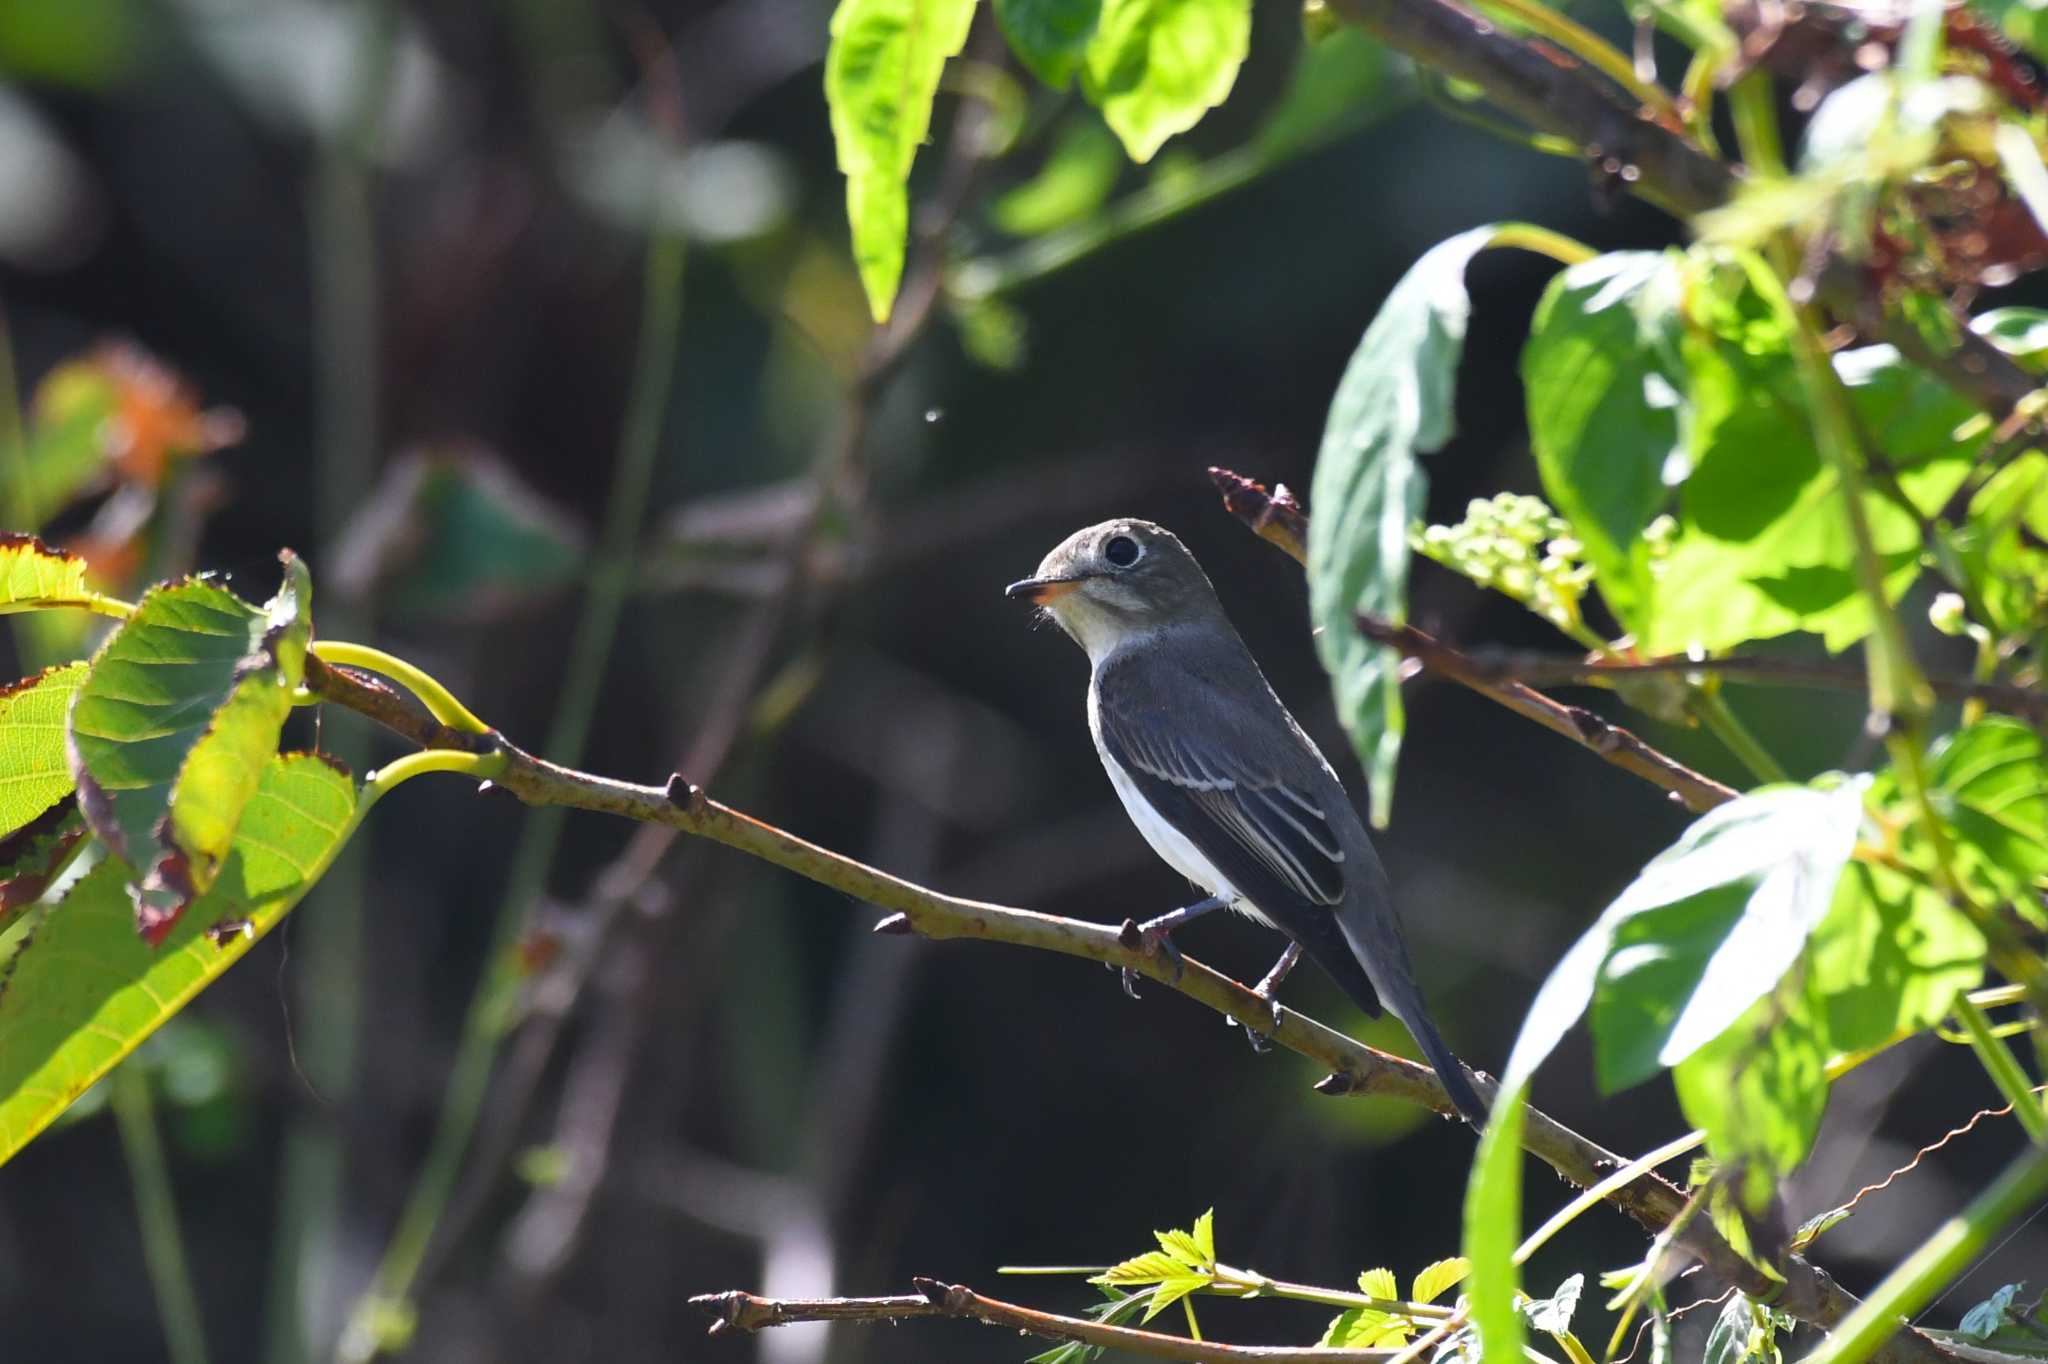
(1205, 1238)
(1365, 1328)
(1890, 957)
(1151, 1267)
(1049, 36)
(1707, 928)
(1553, 1315)
(882, 70)
(1604, 382)
(1392, 406)
(1171, 1290)
(33, 575)
(1379, 1283)
(84, 991)
(172, 727)
(1181, 1245)
(35, 771)
(1434, 1280)
(1154, 67)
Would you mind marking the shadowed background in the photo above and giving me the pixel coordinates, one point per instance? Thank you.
(405, 242)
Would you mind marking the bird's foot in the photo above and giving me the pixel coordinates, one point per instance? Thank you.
(1268, 990)
(1155, 939)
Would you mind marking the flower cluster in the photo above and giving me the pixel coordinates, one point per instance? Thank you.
(1516, 545)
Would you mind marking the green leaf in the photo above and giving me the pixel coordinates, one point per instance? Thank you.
(882, 70)
(1154, 67)
(1707, 928)
(1392, 406)
(1379, 1283)
(1436, 1279)
(171, 730)
(1181, 1245)
(1763, 545)
(2003, 546)
(1890, 957)
(1604, 381)
(1731, 1340)
(34, 772)
(1072, 185)
(32, 575)
(1366, 1328)
(1493, 1225)
(1758, 1090)
(1205, 1239)
(67, 445)
(1171, 1290)
(84, 990)
(1154, 1266)
(1990, 784)
(1049, 36)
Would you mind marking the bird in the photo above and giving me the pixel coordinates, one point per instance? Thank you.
(1221, 781)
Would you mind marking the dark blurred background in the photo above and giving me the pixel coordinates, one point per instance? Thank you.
(405, 242)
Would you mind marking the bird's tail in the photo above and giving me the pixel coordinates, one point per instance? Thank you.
(1374, 937)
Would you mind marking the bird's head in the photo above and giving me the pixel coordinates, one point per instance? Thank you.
(1117, 580)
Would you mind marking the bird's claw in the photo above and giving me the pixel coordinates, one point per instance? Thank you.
(1153, 941)
(1130, 981)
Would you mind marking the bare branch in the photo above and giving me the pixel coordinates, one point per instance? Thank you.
(1542, 668)
(746, 1312)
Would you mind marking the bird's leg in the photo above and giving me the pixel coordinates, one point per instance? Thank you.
(1153, 937)
(1267, 989)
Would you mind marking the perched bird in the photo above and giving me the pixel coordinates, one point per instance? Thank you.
(1220, 779)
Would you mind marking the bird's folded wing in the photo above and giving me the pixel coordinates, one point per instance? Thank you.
(1228, 790)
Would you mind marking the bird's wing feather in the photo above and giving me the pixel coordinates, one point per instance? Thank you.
(1244, 788)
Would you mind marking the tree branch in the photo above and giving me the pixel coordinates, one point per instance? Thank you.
(1531, 667)
(1808, 1293)
(746, 1312)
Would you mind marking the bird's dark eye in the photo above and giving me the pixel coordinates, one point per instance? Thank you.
(1122, 551)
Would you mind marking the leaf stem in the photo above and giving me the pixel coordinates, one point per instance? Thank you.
(439, 701)
(2004, 1070)
(163, 1246)
(1543, 241)
(1756, 124)
(1628, 1173)
(1921, 1277)
(1714, 712)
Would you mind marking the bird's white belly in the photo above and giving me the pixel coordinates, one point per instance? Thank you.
(1174, 847)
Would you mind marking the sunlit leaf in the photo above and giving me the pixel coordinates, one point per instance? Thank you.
(1889, 958)
(1758, 1091)
(1392, 406)
(84, 990)
(881, 74)
(1436, 1279)
(1379, 1283)
(35, 773)
(1604, 383)
(171, 730)
(1154, 67)
(1366, 1328)
(1553, 1315)
(33, 575)
(1077, 176)
(1707, 928)
(1153, 1266)
(1171, 1290)
(1991, 785)
(1339, 84)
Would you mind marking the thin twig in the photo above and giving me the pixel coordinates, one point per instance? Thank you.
(746, 1312)
(1697, 792)
(1546, 669)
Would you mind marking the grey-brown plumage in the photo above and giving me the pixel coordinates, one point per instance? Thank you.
(1217, 775)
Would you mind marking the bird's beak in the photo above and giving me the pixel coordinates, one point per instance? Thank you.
(1043, 590)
